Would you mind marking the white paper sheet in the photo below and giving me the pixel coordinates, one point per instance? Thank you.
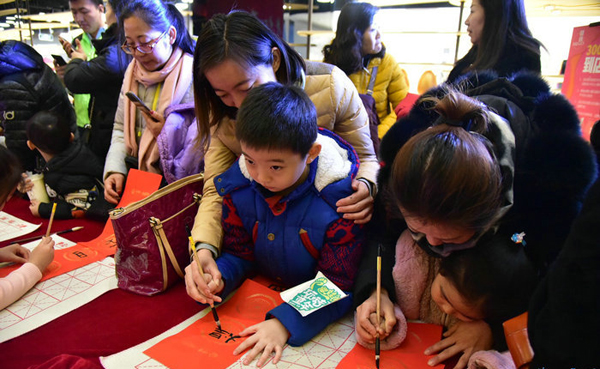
(13, 227)
(57, 296)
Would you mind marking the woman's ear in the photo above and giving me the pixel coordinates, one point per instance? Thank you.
(172, 34)
(30, 145)
(314, 151)
(276, 55)
(72, 137)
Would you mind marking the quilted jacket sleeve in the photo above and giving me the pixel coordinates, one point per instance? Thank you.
(218, 158)
(340, 109)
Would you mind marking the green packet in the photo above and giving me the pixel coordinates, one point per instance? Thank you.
(312, 295)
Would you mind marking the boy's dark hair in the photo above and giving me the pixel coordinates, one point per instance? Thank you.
(10, 169)
(274, 116)
(496, 276)
(49, 132)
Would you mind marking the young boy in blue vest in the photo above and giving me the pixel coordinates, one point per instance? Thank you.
(279, 213)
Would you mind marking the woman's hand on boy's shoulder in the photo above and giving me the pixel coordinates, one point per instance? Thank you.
(463, 337)
(359, 205)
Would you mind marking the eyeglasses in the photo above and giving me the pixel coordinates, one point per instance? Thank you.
(145, 48)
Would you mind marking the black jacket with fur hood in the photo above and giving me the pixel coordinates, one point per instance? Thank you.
(27, 86)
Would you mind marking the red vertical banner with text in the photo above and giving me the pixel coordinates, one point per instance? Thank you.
(582, 76)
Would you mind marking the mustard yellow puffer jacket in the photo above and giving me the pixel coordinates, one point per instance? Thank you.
(390, 88)
(339, 109)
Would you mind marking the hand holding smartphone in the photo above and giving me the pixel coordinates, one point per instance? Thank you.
(59, 60)
(66, 45)
(140, 104)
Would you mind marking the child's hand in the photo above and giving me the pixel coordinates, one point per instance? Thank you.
(465, 337)
(43, 254)
(34, 207)
(26, 185)
(204, 290)
(14, 253)
(267, 336)
(366, 318)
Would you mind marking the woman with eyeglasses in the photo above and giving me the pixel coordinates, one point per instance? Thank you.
(160, 75)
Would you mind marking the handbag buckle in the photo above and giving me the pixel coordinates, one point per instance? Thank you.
(116, 211)
(154, 221)
(197, 197)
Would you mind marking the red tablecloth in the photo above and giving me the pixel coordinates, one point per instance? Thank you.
(109, 324)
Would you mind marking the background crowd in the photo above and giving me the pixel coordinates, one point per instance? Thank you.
(481, 197)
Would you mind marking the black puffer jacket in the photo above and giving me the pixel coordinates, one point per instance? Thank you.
(75, 169)
(27, 86)
(101, 77)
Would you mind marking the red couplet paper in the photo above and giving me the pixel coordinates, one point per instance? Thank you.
(581, 84)
(139, 186)
(409, 355)
(203, 344)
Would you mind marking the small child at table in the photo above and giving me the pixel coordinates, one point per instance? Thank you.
(279, 214)
(488, 283)
(21, 280)
(72, 172)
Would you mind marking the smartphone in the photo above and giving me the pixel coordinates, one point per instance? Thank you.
(59, 60)
(139, 104)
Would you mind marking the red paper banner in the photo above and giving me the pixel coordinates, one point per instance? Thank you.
(408, 355)
(203, 342)
(581, 84)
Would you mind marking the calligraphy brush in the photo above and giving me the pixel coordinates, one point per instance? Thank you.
(33, 238)
(377, 340)
(195, 254)
(51, 220)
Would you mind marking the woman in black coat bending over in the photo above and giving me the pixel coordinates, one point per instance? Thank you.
(501, 39)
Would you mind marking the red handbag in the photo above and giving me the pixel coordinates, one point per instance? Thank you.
(152, 244)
